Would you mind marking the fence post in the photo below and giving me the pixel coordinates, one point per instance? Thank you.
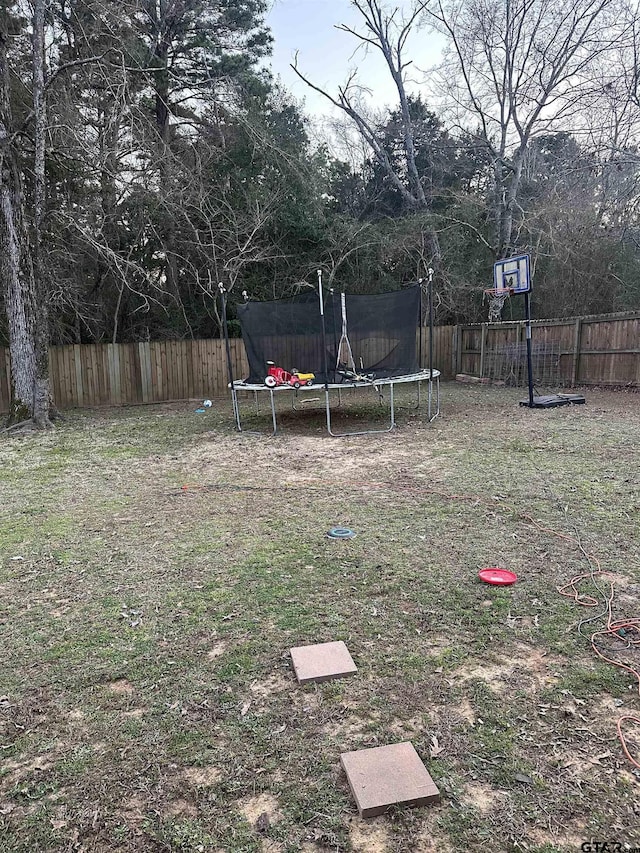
(577, 341)
(483, 343)
(77, 366)
(144, 358)
(456, 350)
(113, 365)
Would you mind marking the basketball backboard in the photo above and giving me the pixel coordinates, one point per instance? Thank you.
(512, 274)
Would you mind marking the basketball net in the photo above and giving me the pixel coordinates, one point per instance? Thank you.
(496, 299)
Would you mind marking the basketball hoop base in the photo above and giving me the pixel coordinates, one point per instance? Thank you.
(552, 401)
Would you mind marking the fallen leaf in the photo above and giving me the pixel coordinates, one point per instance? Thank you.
(435, 748)
(245, 708)
(263, 824)
(522, 777)
(279, 730)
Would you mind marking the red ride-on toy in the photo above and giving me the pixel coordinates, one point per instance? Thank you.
(278, 376)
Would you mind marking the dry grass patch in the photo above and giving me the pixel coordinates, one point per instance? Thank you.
(525, 666)
(261, 812)
(217, 650)
(202, 777)
(190, 696)
(121, 687)
(180, 808)
(272, 686)
(370, 836)
(484, 798)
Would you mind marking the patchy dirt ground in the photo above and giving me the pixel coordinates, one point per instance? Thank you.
(156, 567)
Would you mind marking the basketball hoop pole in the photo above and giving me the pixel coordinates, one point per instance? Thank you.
(527, 315)
(516, 272)
(421, 322)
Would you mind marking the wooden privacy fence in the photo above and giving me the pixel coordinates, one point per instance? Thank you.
(593, 350)
(603, 350)
(156, 372)
(130, 374)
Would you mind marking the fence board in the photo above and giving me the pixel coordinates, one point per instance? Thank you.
(188, 368)
(592, 350)
(157, 378)
(172, 359)
(68, 359)
(176, 358)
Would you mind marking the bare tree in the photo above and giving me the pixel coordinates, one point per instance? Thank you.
(29, 370)
(385, 29)
(515, 69)
(41, 393)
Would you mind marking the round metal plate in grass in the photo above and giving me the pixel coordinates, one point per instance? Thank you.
(341, 533)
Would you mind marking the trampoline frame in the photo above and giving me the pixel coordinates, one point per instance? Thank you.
(426, 375)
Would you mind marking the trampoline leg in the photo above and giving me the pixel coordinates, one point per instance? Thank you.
(255, 395)
(392, 424)
(273, 413)
(327, 404)
(392, 407)
(236, 408)
(432, 417)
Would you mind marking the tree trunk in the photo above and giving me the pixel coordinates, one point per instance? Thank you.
(510, 194)
(162, 94)
(41, 395)
(409, 148)
(18, 292)
(25, 305)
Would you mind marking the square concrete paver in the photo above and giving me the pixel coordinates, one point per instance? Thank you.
(322, 662)
(386, 776)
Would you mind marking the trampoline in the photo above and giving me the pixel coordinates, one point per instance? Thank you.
(429, 376)
(333, 342)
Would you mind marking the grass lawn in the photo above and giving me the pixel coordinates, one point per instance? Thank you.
(147, 701)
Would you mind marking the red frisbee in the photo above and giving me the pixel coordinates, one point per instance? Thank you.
(497, 577)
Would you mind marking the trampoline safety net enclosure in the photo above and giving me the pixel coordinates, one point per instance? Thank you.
(382, 334)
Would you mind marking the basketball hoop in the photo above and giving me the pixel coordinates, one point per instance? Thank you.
(497, 298)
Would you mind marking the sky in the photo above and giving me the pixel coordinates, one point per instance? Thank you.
(326, 55)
